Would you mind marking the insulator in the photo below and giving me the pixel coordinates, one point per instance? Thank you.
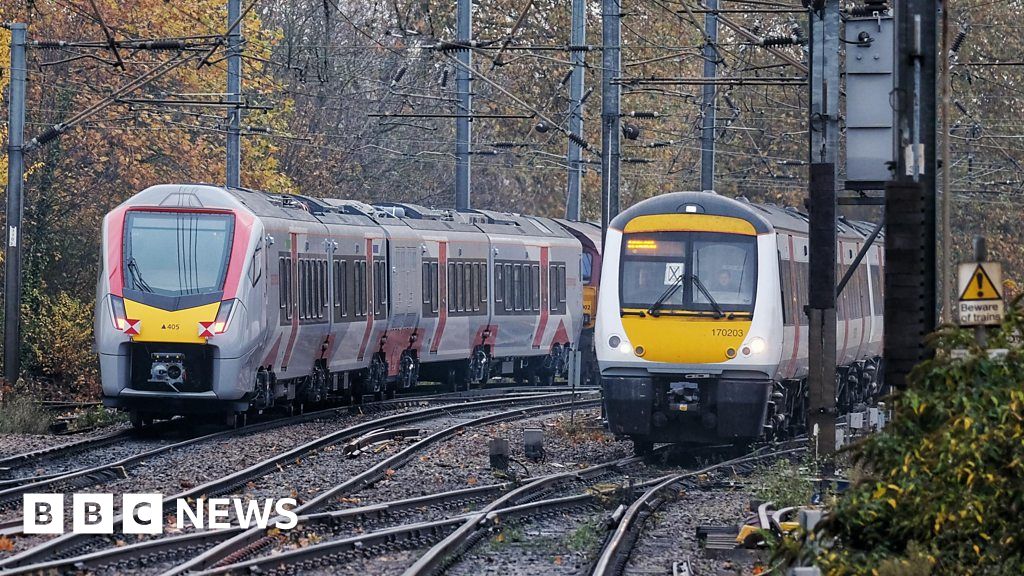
(775, 41)
(444, 78)
(504, 145)
(959, 40)
(579, 141)
(644, 114)
(398, 76)
(960, 107)
(161, 45)
(49, 44)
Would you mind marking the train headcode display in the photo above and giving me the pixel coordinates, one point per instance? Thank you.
(980, 289)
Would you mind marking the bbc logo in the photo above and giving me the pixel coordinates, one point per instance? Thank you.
(93, 514)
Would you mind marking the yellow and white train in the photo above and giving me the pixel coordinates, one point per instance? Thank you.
(701, 334)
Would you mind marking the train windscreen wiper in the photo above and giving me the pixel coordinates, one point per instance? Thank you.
(137, 282)
(704, 291)
(676, 284)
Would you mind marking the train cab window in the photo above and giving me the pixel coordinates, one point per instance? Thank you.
(586, 267)
(256, 265)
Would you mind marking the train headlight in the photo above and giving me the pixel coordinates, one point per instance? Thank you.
(220, 325)
(757, 345)
(614, 342)
(117, 314)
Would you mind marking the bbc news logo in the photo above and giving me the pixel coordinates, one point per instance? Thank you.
(144, 513)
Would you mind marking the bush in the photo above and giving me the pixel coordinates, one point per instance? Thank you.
(58, 342)
(943, 491)
(23, 415)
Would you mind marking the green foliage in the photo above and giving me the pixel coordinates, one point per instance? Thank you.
(943, 490)
(21, 414)
(585, 537)
(58, 343)
(98, 417)
(783, 483)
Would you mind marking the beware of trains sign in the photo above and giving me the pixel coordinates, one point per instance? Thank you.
(981, 299)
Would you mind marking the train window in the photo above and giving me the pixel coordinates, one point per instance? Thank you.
(467, 282)
(301, 265)
(460, 295)
(527, 287)
(517, 286)
(552, 288)
(474, 284)
(537, 287)
(876, 292)
(425, 281)
(385, 288)
(483, 283)
(434, 286)
(586, 267)
(561, 284)
(340, 300)
(510, 297)
(314, 309)
(786, 291)
(359, 296)
(499, 284)
(282, 283)
(452, 283)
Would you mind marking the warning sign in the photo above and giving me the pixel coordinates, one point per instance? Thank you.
(981, 300)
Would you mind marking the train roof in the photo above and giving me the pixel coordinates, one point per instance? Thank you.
(764, 217)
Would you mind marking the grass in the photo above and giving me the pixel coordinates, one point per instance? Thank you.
(585, 537)
(784, 483)
(22, 415)
(98, 417)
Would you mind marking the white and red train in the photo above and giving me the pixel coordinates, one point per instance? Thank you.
(215, 300)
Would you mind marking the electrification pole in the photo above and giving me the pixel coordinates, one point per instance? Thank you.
(464, 84)
(824, 153)
(234, 146)
(15, 205)
(910, 231)
(946, 262)
(578, 52)
(611, 38)
(707, 139)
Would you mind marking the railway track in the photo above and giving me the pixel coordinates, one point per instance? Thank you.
(70, 545)
(619, 544)
(13, 490)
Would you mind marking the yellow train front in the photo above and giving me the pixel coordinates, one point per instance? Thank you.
(690, 323)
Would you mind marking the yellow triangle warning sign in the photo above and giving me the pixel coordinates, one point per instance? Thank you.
(980, 287)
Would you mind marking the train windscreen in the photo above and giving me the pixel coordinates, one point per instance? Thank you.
(688, 272)
(176, 253)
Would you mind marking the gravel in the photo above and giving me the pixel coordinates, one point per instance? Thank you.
(670, 535)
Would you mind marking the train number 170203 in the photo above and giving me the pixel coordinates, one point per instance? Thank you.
(727, 332)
